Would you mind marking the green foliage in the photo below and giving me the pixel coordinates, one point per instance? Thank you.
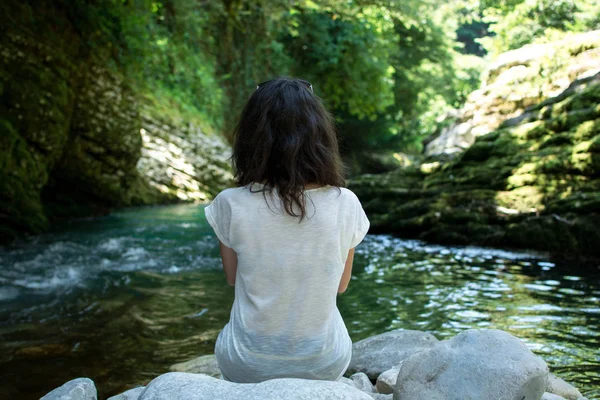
(348, 59)
(520, 22)
(385, 69)
(161, 48)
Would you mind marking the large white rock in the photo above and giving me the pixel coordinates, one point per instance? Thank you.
(379, 353)
(562, 388)
(186, 386)
(131, 394)
(473, 365)
(202, 365)
(362, 382)
(379, 396)
(386, 382)
(76, 389)
(346, 381)
(550, 396)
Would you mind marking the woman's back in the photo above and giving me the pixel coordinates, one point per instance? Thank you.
(284, 321)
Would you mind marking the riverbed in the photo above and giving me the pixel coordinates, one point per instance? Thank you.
(120, 298)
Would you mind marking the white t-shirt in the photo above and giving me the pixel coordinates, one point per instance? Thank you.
(284, 321)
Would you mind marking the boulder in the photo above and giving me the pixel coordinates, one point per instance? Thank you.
(560, 387)
(361, 381)
(532, 183)
(131, 394)
(511, 84)
(76, 389)
(346, 381)
(387, 380)
(379, 396)
(186, 386)
(474, 365)
(379, 353)
(202, 365)
(550, 396)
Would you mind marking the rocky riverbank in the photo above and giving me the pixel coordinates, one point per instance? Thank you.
(397, 365)
(517, 169)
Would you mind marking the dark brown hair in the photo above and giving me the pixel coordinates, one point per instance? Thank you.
(286, 139)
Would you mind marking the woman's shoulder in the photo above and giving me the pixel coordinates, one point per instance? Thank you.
(228, 195)
(232, 191)
(349, 195)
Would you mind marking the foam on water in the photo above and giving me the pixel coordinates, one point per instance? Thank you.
(126, 242)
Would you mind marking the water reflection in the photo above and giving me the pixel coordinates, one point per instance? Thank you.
(121, 298)
(408, 285)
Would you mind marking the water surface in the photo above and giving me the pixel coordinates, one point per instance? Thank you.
(121, 298)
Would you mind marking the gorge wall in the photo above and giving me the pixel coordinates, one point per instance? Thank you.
(77, 139)
(529, 179)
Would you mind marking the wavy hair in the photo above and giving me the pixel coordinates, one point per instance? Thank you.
(286, 139)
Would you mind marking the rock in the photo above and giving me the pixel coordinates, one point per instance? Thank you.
(346, 381)
(131, 394)
(181, 163)
(532, 183)
(379, 396)
(550, 396)
(474, 365)
(185, 386)
(387, 380)
(361, 381)
(202, 365)
(379, 353)
(71, 140)
(76, 389)
(512, 83)
(559, 387)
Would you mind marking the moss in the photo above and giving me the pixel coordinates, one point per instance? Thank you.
(586, 130)
(582, 203)
(21, 172)
(562, 139)
(524, 199)
(545, 233)
(534, 184)
(530, 131)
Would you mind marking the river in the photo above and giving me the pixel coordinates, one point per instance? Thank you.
(122, 297)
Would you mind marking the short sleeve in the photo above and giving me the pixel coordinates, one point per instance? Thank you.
(218, 215)
(361, 226)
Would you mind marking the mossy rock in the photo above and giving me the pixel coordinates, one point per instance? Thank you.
(533, 183)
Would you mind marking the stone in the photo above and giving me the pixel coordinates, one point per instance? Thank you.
(559, 387)
(361, 381)
(379, 396)
(346, 381)
(131, 394)
(379, 353)
(550, 396)
(474, 365)
(76, 389)
(202, 365)
(186, 386)
(387, 380)
(507, 190)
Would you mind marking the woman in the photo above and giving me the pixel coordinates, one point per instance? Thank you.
(287, 235)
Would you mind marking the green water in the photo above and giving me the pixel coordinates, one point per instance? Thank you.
(121, 298)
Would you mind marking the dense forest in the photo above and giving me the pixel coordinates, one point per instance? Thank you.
(95, 94)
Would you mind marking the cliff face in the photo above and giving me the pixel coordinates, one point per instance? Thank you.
(516, 80)
(532, 182)
(76, 138)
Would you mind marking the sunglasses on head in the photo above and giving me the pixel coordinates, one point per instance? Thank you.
(306, 83)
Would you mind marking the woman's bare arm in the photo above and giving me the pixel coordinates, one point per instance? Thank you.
(229, 258)
(347, 274)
